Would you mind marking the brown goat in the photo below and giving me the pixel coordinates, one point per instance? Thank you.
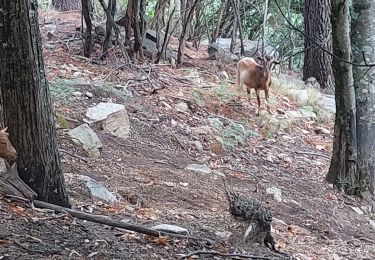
(7, 150)
(256, 76)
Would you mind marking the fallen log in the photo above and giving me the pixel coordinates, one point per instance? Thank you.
(113, 223)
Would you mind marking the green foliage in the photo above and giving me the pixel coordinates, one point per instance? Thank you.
(61, 88)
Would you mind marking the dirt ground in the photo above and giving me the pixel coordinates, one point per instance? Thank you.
(147, 171)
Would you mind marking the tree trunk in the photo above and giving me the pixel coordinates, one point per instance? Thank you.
(342, 171)
(317, 63)
(182, 39)
(25, 97)
(87, 45)
(66, 5)
(364, 78)
(108, 27)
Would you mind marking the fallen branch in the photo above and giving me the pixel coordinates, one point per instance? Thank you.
(222, 254)
(73, 155)
(113, 223)
(317, 154)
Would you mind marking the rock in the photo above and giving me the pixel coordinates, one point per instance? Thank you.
(182, 107)
(269, 158)
(77, 93)
(372, 223)
(85, 136)
(219, 173)
(293, 114)
(276, 192)
(223, 75)
(194, 76)
(357, 210)
(312, 83)
(98, 190)
(215, 52)
(216, 122)
(89, 94)
(287, 160)
(307, 112)
(302, 95)
(49, 46)
(328, 102)
(118, 124)
(322, 130)
(335, 257)
(173, 122)
(198, 168)
(224, 234)
(198, 145)
(171, 229)
(305, 132)
(101, 111)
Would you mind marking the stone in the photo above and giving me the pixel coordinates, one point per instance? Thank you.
(293, 114)
(307, 112)
(98, 190)
(198, 145)
(101, 111)
(276, 192)
(171, 229)
(85, 136)
(357, 210)
(372, 223)
(198, 168)
(223, 75)
(182, 107)
(89, 94)
(216, 122)
(118, 124)
(219, 173)
(224, 234)
(77, 93)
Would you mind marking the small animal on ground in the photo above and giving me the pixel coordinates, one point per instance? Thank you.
(255, 76)
(7, 150)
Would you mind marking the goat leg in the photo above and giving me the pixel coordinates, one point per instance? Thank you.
(249, 95)
(257, 91)
(266, 92)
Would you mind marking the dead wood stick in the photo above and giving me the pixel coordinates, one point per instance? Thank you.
(222, 254)
(74, 155)
(317, 154)
(113, 223)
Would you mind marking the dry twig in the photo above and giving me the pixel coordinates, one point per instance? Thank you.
(222, 254)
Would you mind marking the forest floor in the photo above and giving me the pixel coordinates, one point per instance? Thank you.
(171, 128)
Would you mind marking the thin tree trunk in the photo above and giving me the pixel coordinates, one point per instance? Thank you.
(27, 106)
(87, 46)
(236, 4)
(318, 63)
(343, 171)
(182, 39)
(264, 26)
(364, 78)
(108, 31)
(66, 5)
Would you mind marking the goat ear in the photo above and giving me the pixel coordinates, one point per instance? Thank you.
(4, 130)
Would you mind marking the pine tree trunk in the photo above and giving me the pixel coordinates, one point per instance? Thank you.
(25, 97)
(66, 5)
(363, 39)
(342, 171)
(317, 63)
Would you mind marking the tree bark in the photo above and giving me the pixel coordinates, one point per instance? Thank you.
(343, 169)
(182, 39)
(108, 27)
(87, 45)
(364, 78)
(317, 63)
(26, 101)
(66, 5)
